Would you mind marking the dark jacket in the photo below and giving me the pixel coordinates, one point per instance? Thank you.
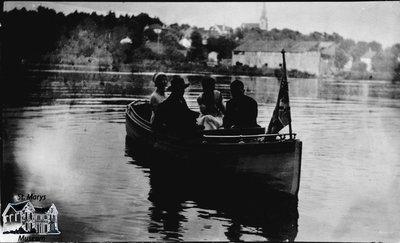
(173, 116)
(241, 112)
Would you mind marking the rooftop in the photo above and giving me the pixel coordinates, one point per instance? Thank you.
(18, 206)
(43, 209)
(277, 46)
(250, 25)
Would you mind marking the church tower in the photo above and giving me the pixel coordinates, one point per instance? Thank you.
(263, 19)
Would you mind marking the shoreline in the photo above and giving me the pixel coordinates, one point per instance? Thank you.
(148, 73)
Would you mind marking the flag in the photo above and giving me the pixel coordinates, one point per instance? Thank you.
(281, 116)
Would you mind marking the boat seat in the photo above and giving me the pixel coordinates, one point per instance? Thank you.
(238, 131)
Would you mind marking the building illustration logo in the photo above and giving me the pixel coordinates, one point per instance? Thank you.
(24, 218)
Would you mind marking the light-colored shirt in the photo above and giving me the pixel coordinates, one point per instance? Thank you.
(155, 100)
(211, 105)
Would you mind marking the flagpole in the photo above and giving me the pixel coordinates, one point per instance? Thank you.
(284, 78)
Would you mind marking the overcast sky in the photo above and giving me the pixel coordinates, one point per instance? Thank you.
(366, 21)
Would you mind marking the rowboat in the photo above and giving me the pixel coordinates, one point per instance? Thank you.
(273, 160)
(264, 157)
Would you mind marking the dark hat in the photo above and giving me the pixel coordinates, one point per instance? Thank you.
(176, 83)
(237, 84)
(157, 75)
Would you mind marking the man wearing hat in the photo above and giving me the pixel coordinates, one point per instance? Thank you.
(158, 96)
(173, 115)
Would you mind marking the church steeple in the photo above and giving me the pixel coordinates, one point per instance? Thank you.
(263, 19)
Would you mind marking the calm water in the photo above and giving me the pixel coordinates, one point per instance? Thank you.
(73, 151)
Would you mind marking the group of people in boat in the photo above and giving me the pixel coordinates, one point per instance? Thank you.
(173, 115)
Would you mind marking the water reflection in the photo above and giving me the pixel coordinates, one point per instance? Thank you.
(166, 213)
(46, 86)
(71, 151)
(181, 198)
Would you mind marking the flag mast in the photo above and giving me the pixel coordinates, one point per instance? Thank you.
(284, 79)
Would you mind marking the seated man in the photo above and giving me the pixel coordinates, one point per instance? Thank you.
(241, 110)
(173, 115)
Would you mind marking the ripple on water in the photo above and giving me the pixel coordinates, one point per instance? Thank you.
(73, 150)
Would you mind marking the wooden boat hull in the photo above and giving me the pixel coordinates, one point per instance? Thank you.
(274, 164)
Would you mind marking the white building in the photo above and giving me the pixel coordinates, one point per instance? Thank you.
(367, 59)
(185, 42)
(220, 30)
(30, 219)
(313, 57)
(212, 58)
(349, 64)
(126, 40)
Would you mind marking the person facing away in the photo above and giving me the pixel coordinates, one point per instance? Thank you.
(158, 96)
(211, 106)
(241, 110)
(173, 115)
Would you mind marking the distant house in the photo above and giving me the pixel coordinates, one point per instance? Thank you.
(349, 64)
(185, 42)
(186, 33)
(25, 216)
(250, 26)
(220, 30)
(308, 56)
(156, 28)
(212, 58)
(367, 59)
(126, 40)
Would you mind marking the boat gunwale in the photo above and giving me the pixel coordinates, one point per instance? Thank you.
(146, 125)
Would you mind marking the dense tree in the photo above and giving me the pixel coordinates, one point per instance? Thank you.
(375, 46)
(382, 62)
(387, 60)
(170, 38)
(396, 72)
(359, 66)
(335, 37)
(395, 50)
(45, 36)
(359, 50)
(222, 45)
(291, 34)
(197, 49)
(77, 38)
(317, 36)
(340, 58)
(347, 45)
(238, 34)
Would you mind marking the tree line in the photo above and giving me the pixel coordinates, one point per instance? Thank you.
(47, 36)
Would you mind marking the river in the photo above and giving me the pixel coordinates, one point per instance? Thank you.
(72, 150)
